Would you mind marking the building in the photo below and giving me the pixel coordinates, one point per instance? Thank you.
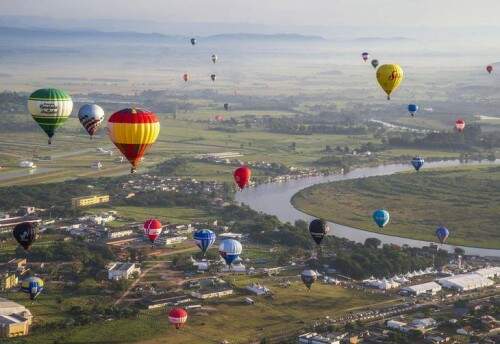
(465, 282)
(491, 272)
(315, 338)
(80, 202)
(423, 324)
(430, 288)
(18, 264)
(382, 284)
(8, 280)
(170, 240)
(258, 289)
(13, 326)
(120, 234)
(237, 268)
(117, 271)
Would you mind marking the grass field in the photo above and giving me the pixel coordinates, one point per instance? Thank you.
(464, 199)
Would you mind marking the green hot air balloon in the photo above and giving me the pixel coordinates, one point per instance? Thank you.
(50, 108)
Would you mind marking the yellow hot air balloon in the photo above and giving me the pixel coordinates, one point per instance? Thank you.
(389, 77)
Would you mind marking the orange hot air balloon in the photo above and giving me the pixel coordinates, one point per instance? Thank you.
(185, 77)
(460, 125)
(489, 69)
(242, 176)
(133, 131)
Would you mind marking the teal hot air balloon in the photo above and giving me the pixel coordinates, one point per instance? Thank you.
(381, 217)
(50, 108)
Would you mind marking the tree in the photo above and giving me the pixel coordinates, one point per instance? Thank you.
(372, 243)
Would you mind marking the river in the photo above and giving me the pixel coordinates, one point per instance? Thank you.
(274, 199)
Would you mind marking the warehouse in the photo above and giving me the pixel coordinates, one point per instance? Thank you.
(491, 272)
(430, 288)
(465, 282)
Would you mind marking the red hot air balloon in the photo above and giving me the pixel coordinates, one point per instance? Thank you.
(177, 317)
(185, 77)
(489, 69)
(219, 118)
(242, 176)
(460, 125)
(152, 229)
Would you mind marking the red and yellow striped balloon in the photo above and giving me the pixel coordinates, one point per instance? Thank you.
(133, 131)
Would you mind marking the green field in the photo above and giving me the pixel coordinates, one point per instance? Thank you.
(464, 199)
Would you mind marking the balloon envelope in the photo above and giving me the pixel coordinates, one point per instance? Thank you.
(365, 56)
(374, 63)
(389, 77)
(25, 234)
(318, 229)
(133, 131)
(214, 58)
(489, 69)
(229, 250)
(152, 229)
(213, 77)
(204, 238)
(417, 162)
(412, 109)
(177, 317)
(442, 234)
(91, 117)
(193, 41)
(242, 176)
(32, 286)
(381, 217)
(460, 125)
(308, 277)
(50, 108)
(185, 77)
(226, 106)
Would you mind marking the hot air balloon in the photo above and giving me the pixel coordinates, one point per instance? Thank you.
(308, 277)
(185, 77)
(219, 118)
(226, 106)
(229, 250)
(417, 162)
(91, 117)
(442, 234)
(32, 286)
(375, 63)
(460, 125)
(381, 217)
(318, 229)
(412, 109)
(50, 108)
(177, 317)
(242, 176)
(204, 238)
(365, 56)
(489, 69)
(193, 41)
(389, 77)
(213, 77)
(214, 58)
(152, 229)
(133, 131)
(25, 234)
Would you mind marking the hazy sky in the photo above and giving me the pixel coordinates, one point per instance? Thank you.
(281, 12)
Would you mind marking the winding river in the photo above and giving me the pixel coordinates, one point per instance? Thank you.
(274, 199)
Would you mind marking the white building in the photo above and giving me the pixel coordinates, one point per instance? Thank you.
(27, 164)
(212, 293)
(235, 268)
(315, 338)
(383, 284)
(9, 308)
(258, 289)
(120, 234)
(464, 282)
(170, 240)
(491, 272)
(396, 325)
(117, 271)
(430, 288)
(423, 324)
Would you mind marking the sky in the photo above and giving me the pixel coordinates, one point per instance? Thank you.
(414, 13)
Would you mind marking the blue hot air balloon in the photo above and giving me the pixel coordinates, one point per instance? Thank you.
(412, 109)
(417, 162)
(442, 234)
(204, 238)
(381, 217)
(229, 250)
(32, 286)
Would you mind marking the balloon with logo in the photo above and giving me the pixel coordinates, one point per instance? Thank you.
(177, 317)
(133, 131)
(308, 277)
(50, 108)
(365, 56)
(32, 286)
(242, 176)
(374, 63)
(489, 69)
(389, 77)
(25, 234)
(91, 117)
(381, 217)
(412, 109)
(152, 229)
(229, 250)
(417, 162)
(204, 239)
(460, 125)
(442, 234)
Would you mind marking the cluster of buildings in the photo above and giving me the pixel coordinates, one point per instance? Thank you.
(397, 280)
(118, 271)
(15, 319)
